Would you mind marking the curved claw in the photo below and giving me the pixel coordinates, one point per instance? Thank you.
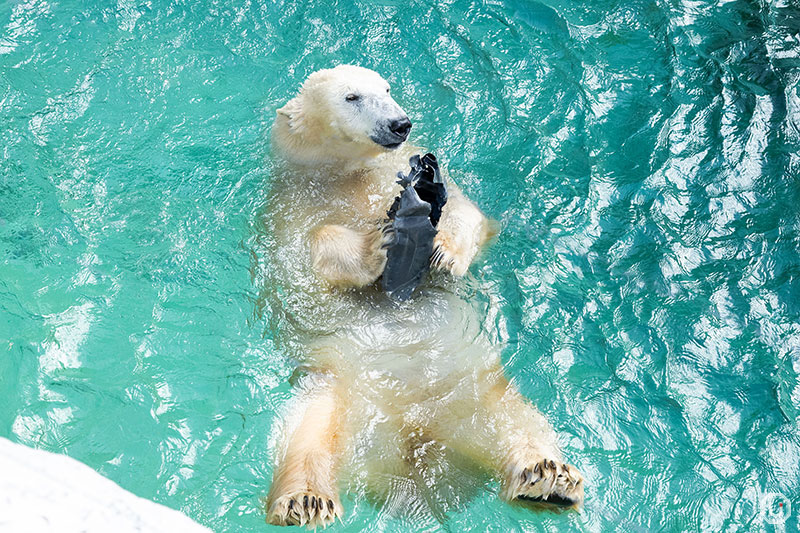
(547, 481)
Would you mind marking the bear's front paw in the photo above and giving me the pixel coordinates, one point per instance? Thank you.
(304, 508)
(451, 253)
(546, 481)
(346, 257)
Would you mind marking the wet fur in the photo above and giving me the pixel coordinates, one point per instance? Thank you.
(399, 378)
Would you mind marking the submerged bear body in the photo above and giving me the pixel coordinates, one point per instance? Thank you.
(386, 383)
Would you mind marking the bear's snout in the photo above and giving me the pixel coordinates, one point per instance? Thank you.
(392, 133)
(400, 127)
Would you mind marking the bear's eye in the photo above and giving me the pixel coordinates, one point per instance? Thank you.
(387, 90)
(352, 97)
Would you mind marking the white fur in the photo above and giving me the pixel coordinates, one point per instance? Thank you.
(386, 381)
(319, 125)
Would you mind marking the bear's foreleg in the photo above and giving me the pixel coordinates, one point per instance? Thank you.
(461, 232)
(346, 257)
(304, 487)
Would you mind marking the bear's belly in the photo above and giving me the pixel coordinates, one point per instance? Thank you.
(434, 337)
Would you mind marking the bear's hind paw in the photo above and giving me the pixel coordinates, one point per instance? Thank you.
(304, 508)
(548, 482)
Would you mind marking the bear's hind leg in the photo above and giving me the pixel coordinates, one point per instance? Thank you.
(531, 467)
(500, 430)
(304, 487)
(531, 475)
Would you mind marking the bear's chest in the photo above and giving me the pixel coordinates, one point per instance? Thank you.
(358, 199)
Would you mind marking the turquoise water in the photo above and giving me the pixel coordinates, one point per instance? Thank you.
(642, 158)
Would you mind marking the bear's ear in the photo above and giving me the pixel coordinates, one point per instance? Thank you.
(293, 111)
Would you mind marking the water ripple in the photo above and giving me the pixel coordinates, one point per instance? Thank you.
(642, 160)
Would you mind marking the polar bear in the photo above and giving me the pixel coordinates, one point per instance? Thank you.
(384, 385)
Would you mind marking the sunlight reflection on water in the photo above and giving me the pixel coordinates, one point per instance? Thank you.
(641, 158)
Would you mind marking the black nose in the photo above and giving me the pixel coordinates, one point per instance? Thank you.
(400, 127)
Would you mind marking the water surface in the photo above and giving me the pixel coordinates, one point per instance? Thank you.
(642, 158)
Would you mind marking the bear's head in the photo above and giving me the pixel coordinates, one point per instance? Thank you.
(342, 113)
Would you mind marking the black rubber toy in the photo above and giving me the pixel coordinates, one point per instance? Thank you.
(413, 219)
